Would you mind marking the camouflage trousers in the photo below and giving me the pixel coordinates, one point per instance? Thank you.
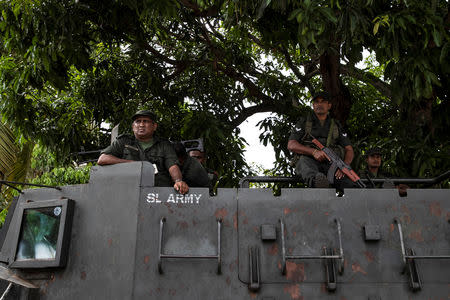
(307, 168)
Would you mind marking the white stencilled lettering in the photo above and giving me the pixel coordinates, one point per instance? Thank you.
(180, 198)
(197, 198)
(171, 198)
(189, 198)
(153, 198)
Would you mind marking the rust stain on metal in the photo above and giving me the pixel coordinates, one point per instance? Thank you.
(245, 221)
(295, 272)
(309, 213)
(293, 291)
(232, 265)
(369, 256)
(221, 213)
(273, 250)
(83, 275)
(194, 222)
(407, 219)
(253, 295)
(405, 209)
(256, 229)
(294, 233)
(183, 224)
(146, 259)
(228, 280)
(356, 268)
(279, 265)
(416, 235)
(326, 214)
(110, 242)
(287, 210)
(391, 228)
(235, 221)
(169, 207)
(435, 209)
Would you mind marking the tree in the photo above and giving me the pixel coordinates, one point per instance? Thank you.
(15, 159)
(69, 66)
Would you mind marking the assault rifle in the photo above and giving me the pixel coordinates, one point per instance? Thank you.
(337, 163)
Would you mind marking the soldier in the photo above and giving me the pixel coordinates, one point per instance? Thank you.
(145, 146)
(193, 172)
(312, 165)
(374, 170)
(212, 175)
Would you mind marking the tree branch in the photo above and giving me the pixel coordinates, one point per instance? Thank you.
(381, 86)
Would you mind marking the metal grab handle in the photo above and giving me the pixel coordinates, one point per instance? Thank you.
(162, 255)
(339, 257)
(254, 272)
(409, 260)
(406, 256)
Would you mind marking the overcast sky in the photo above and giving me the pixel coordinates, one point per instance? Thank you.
(255, 151)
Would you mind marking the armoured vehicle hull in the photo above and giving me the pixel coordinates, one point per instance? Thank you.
(131, 240)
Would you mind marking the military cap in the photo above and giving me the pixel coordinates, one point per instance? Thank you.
(323, 95)
(145, 113)
(373, 151)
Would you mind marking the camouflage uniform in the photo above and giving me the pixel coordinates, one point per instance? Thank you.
(193, 173)
(161, 154)
(306, 166)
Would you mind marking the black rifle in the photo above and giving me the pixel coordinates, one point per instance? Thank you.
(337, 163)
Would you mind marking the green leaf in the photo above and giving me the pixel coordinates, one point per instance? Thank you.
(262, 8)
(437, 37)
(375, 28)
(444, 52)
(294, 14)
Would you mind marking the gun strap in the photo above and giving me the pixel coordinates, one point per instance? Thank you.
(333, 132)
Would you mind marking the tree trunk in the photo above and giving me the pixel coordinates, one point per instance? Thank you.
(340, 96)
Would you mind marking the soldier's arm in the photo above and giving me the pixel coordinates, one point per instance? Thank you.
(108, 159)
(349, 154)
(177, 177)
(296, 147)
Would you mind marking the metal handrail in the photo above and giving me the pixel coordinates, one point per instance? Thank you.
(245, 182)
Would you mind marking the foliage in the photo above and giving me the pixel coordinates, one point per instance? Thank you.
(64, 176)
(67, 67)
(15, 159)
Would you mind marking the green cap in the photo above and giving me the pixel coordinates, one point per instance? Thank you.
(145, 113)
(373, 151)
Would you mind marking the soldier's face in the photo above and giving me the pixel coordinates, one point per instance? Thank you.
(374, 161)
(144, 128)
(197, 155)
(321, 106)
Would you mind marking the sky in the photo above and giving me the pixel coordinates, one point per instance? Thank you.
(256, 152)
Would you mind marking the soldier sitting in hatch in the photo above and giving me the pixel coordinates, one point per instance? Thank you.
(201, 157)
(193, 172)
(145, 146)
(374, 171)
(312, 165)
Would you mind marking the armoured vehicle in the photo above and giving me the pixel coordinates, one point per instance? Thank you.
(120, 237)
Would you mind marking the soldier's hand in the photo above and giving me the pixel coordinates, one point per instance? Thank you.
(181, 187)
(339, 174)
(319, 155)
